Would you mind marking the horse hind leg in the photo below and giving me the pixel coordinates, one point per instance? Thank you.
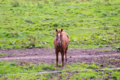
(65, 56)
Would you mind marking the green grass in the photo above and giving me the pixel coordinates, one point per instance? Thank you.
(3, 54)
(22, 70)
(32, 23)
(25, 70)
(105, 50)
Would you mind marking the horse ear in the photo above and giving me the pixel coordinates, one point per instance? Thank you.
(56, 30)
(61, 30)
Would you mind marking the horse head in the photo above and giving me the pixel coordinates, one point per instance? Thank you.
(59, 37)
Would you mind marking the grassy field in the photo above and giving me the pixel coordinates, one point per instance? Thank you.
(32, 23)
(24, 70)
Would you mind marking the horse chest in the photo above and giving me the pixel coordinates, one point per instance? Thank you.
(59, 49)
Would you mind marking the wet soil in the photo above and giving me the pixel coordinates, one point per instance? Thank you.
(37, 55)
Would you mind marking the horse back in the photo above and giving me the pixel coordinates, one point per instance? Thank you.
(64, 33)
(65, 39)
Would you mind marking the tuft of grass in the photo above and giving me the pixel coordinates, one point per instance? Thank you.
(3, 54)
(48, 67)
(93, 66)
(116, 48)
(15, 4)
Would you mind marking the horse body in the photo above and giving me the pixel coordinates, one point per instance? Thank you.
(61, 42)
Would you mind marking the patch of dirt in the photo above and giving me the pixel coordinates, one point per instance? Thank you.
(37, 55)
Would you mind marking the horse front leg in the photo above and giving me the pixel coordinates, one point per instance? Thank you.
(56, 60)
(62, 56)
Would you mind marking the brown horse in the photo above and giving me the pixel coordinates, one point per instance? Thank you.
(61, 42)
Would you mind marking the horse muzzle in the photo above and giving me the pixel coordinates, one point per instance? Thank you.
(58, 44)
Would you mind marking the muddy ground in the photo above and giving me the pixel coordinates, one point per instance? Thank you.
(38, 55)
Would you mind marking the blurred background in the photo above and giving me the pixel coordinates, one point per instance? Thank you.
(32, 23)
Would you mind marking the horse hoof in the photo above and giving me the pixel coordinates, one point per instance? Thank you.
(65, 63)
(62, 68)
(56, 69)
